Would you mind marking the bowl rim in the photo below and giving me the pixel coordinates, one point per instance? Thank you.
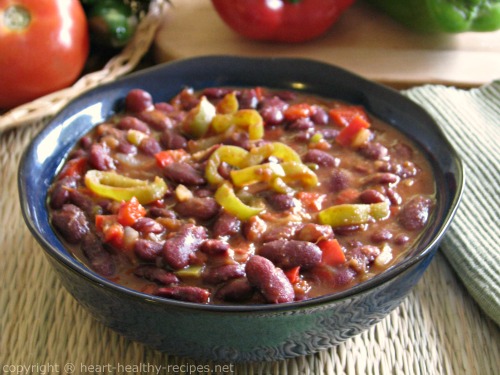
(76, 266)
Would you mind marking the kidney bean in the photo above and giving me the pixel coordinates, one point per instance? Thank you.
(162, 212)
(164, 107)
(247, 99)
(320, 117)
(401, 239)
(214, 247)
(383, 179)
(156, 119)
(59, 194)
(150, 146)
(360, 257)
(156, 274)
(394, 197)
(381, 235)
(82, 201)
(240, 139)
(402, 151)
(280, 202)
(340, 180)
(133, 123)
(99, 157)
(272, 109)
(226, 225)
(291, 253)
(329, 133)
(217, 275)
(216, 92)
(126, 148)
(321, 158)
(347, 230)
(269, 280)
(171, 140)
(237, 290)
(254, 228)
(311, 232)
(178, 249)
(185, 293)
(148, 250)
(304, 123)
(415, 213)
(138, 100)
(373, 151)
(372, 196)
(183, 173)
(199, 208)
(148, 225)
(71, 222)
(281, 232)
(343, 276)
(99, 259)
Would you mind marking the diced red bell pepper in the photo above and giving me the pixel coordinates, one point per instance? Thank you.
(293, 274)
(130, 211)
(111, 229)
(312, 201)
(343, 115)
(164, 158)
(347, 135)
(74, 167)
(297, 111)
(349, 195)
(333, 254)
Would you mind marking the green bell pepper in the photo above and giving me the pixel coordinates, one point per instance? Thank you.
(451, 16)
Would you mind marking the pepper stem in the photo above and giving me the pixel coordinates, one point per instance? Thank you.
(16, 18)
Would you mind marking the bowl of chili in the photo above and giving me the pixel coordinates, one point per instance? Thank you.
(240, 209)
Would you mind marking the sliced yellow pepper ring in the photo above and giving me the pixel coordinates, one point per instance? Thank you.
(297, 171)
(110, 184)
(256, 173)
(228, 104)
(221, 122)
(190, 271)
(277, 149)
(232, 155)
(250, 120)
(226, 197)
(353, 214)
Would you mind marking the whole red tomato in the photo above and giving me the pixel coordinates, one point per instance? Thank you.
(43, 47)
(281, 20)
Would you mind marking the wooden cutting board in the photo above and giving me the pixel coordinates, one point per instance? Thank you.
(364, 41)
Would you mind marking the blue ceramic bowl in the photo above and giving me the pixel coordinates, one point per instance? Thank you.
(237, 333)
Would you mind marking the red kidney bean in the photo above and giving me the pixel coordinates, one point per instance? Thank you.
(59, 194)
(148, 250)
(248, 99)
(320, 117)
(415, 213)
(254, 228)
(171, 140)
(126, 148)
(272, 110)
(99, 157)
(347, 230)
(282, 232)
(199, 208)
(381, 235)
(237, 290)
(383, 179)
(315, 232)
(394, 197)
(216, 92)
(343, 276)
(178, 249)
(164, 107)
(280, 202)
(329, 133)
(217, 275)
(226, 225)
(82, 201)
(402, 151)
(71, 222)
(401, 239)
(150, 146)
(374, 151)
(185, 293)
(138, 100)
(304, 123)
(156, 119)
(156, 274)
(360, 257)
(291, 253)
(340, 180)
(214, 247)
(162, 212)
(372, 196)
(100, 260)
(240, 139)
(269, 280)
(183, 173)
(148, 225)
(321, 158)
(131, 122)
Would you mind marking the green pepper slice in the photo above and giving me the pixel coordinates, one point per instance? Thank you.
(233, 155)
(276, 149)
(353, 214)
(228, 200)
(110, 184)
(299, 172)
(198, 120)
(256, 173)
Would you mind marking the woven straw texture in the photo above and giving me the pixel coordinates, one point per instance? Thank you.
(119, 65)
(438, 329)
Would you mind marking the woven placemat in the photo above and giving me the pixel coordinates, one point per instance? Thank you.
(438, 329)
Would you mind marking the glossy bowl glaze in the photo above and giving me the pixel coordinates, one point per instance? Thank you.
(238, 333)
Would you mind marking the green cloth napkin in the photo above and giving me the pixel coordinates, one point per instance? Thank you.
(471, 121)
